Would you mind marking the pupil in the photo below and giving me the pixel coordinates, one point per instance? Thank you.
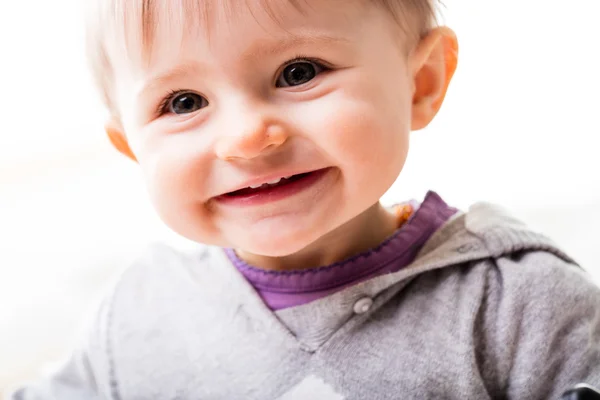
(187, 103)
(299, 73)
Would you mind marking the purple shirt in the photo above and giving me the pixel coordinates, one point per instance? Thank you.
(281, 290)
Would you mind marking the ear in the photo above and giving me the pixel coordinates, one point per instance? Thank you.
(116, 135)
(432, 63)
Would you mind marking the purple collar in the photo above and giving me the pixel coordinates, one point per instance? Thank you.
(292, 288)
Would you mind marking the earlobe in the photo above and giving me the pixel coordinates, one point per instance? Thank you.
(433, 64)
(116, 135)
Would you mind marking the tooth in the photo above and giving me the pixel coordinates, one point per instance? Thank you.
(255, 187)
(274, 182)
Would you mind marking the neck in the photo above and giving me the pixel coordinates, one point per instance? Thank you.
(362, 233)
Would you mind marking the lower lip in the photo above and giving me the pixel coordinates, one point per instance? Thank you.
(275, 193)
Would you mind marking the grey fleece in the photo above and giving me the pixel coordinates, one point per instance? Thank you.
(488, 310)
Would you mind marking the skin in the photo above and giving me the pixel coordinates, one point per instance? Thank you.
(354, 118)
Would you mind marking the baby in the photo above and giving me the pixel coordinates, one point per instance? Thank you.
(267, 132)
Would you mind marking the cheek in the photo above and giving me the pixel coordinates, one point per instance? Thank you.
(371, 152)
(176, 174)
(173, 164)
(365, 133)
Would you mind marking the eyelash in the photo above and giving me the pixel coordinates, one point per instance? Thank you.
(300, 58)
(163, 105)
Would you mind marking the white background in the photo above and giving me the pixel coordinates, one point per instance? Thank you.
(520, 127)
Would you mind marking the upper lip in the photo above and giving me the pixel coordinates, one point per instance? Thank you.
(261, 180)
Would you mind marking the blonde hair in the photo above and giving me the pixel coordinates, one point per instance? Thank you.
(131, 24)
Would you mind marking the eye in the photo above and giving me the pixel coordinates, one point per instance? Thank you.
(185, 103)
(298, 73)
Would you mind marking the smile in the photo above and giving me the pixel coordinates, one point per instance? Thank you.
(269, 185)
(275, 190)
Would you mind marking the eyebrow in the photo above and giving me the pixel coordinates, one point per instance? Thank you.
(266, 48)
(179, 72)
(259, 50)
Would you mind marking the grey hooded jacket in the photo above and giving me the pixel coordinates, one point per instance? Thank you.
(488, 310)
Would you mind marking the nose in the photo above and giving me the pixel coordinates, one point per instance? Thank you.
(249, 133)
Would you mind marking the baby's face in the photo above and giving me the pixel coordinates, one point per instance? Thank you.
(322, 95)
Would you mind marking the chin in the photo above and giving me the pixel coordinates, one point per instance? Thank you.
(279, 246)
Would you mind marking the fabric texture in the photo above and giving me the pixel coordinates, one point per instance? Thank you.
(281, 290)
(488, 309)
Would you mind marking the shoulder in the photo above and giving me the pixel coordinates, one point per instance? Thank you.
(540, 314)
(519, 276)
(164, 288)
(162, 279)
(162, 271)
(539, 280)
(528, 261)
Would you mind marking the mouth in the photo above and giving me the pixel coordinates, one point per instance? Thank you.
(272, 191)
(265, 187)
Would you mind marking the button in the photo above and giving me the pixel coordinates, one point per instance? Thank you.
(363, 305)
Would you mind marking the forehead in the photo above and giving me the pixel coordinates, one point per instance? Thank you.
(142, 30)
